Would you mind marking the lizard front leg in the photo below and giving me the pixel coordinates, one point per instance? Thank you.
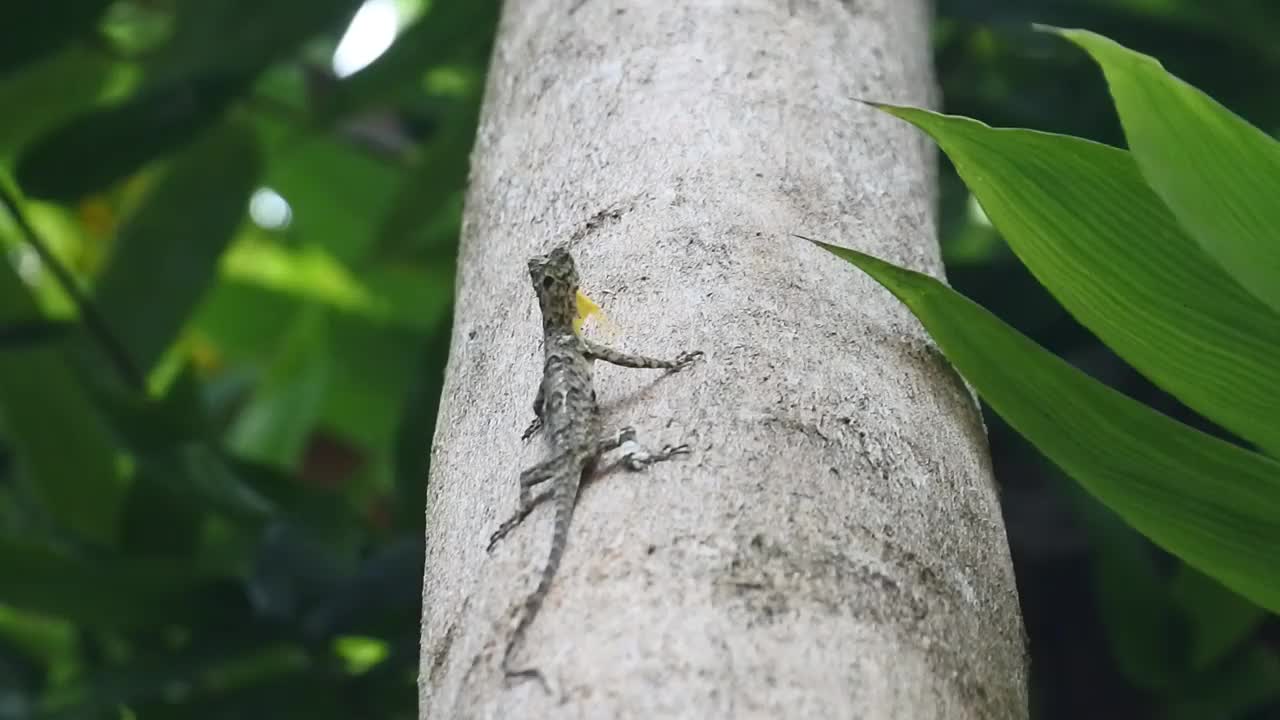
(536, 425)
(596, 351)
(638, 457)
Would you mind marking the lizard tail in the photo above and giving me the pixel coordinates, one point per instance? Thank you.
(565, 497)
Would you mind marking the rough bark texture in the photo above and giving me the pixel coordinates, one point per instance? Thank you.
(834, 546)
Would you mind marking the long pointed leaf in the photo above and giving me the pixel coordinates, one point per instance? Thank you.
(1218, 174)
(59, 439)
(162, 253)
(1081, 218)
(1213, 504)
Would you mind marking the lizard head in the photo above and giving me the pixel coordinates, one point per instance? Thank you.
(555, 280)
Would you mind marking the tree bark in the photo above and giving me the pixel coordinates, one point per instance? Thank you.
(833, 547)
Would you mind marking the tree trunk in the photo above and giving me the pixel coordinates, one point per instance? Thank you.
(833, 546)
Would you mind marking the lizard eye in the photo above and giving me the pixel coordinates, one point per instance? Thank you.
(547, 282)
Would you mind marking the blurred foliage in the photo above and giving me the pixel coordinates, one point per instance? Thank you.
(212, 483)
(215, 424)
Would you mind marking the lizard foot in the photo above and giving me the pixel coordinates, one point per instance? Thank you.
(506, 527)
(687, 358)
(530, 674)
(639, 458)
(533, 429)
(495, 537)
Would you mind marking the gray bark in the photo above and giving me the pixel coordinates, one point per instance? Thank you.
(833, 547)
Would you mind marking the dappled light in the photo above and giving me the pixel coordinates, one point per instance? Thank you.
(371, 32)
(269, 209)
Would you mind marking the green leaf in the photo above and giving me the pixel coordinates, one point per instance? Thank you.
(216, 52)
(384, 293)
(242, 37)
(179, 467)
(101, 589)
(144, 423)
(55, 431)
(1079, 215)
(93, 150)
(48, 93)
(305, 169)
(245, 321)
(33, 29)
(37, 635)
(1219, 619)
(170, 246)
(200, 675)
(1247, 682)
(1141, 621)
(372, 367)
(1218, 174)
(274, 427)
(307, 271)
(1213, 504)
(158, 519)
(199, 477)
(440, 171)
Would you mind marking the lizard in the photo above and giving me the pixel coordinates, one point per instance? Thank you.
(565, 409)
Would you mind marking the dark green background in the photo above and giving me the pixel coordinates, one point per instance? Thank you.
(212, 483)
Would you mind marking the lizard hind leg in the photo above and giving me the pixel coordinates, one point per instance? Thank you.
(536, 425)
(535, 475)
(516, 518)
(567, 475)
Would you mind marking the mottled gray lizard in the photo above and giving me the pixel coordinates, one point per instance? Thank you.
(565, 409)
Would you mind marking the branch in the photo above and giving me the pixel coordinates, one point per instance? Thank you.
(95, 323)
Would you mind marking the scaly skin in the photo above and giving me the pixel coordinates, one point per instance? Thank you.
(566, 410)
